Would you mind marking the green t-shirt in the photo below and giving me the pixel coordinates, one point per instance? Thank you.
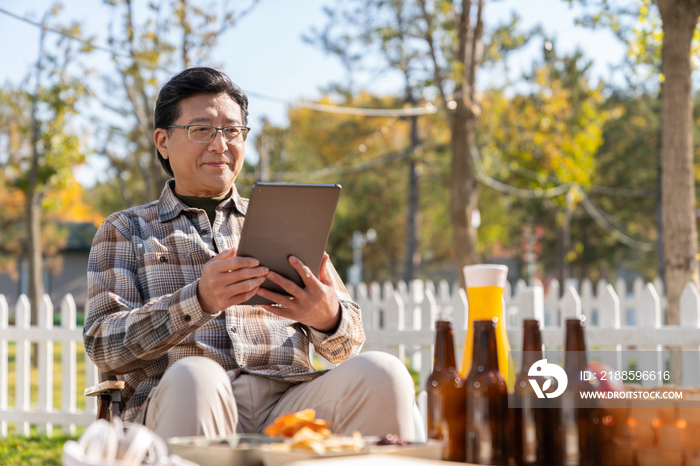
(207, 204)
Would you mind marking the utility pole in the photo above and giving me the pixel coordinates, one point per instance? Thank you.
(412, 256)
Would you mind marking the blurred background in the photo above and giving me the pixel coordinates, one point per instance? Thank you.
(530, 137)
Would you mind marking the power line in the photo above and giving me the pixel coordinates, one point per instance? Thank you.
(537, 193)
(360, 167)
(588, 206)
(611, 230)
(606, 190)
(336, 109)
(371, 112)
(77, 39)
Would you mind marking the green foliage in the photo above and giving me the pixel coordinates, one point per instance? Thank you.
(638, 25)
(39, 145)
(349, 150)
(33, 450)
(173, 35)
(539, 141)
(628, 161)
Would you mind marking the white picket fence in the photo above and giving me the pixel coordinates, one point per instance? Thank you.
(399, 319)
(68, 335)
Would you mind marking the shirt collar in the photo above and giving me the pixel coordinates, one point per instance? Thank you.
(169, 206)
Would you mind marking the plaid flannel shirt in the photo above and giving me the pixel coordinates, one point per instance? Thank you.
(143, 313)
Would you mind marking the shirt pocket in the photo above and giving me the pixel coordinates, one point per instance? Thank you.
(163, 273)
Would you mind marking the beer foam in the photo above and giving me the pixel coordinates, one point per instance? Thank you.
(485, 275)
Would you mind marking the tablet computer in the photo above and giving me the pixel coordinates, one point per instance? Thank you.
(288, 219)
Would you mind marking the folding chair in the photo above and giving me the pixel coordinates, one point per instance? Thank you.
(109, 396)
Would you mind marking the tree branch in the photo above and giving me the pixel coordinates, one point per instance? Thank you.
(437, 70)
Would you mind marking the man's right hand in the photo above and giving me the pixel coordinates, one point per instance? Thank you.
(228, 280)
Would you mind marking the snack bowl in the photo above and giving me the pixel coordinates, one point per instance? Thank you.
(273, 456)
(240, 450)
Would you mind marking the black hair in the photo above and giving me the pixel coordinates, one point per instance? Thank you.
(193, 81)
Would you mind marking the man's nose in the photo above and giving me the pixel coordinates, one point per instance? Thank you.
(219, 142)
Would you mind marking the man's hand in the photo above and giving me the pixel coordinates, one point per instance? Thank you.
(228, 280)
(316, 305)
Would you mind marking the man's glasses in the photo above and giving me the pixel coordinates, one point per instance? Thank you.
(205, 134)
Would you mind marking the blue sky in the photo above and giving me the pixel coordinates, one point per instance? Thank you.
(265, 54)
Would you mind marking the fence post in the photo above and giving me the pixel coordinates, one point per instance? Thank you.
(609, 317)
(690, 306)
(551, 305)
(4, 320)
(531, 305)
(663, 300)
(362, 300)
(414, 298)
(460, 309)
(376, 297)
(430, 285)
(68, 362)
(690, 318)
(587, 300)
(428, 316)
(600, 290)
(570, 305)
(649, 316)
(636, 298)
(394, 319)
(45, 349)
(621, 290)
(444, 296)
(22, 368)
(415, 294)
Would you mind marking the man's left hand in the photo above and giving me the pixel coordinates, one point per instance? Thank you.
(315, 305)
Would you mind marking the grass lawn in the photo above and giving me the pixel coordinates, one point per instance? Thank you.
(35, 449)
(40, 449)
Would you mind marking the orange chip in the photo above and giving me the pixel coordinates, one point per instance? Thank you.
(289, 424)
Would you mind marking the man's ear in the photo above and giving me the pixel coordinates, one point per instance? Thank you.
(160, 137)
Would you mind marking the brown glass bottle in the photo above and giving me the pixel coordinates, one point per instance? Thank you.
(445, 391)
(486, 400)
(531, 418)
(578, 418)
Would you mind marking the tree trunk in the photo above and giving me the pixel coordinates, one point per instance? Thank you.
(34, 255)
(678, 186)
(464, 194)
(33, 206)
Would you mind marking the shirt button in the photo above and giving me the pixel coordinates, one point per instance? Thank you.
(163, 259)
(205, 232)
(188, 318)
(233, 329)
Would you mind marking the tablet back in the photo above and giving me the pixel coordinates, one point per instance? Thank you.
(285, 219)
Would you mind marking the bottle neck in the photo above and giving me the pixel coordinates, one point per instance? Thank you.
(485, 352)
(575, 354)
(444, 346)
(532, 344)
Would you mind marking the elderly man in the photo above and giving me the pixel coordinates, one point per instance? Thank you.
(165, 289)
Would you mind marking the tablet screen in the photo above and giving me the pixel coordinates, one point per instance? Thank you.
(286, 219)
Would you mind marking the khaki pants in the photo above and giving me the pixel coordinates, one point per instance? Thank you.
(372, 393)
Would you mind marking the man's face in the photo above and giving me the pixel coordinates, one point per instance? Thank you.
(203, 169)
